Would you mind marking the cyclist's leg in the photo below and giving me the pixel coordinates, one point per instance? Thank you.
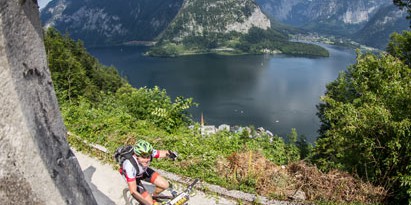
(147, 197)
(156, 179)
(144, 193)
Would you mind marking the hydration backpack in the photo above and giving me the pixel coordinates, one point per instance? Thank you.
(122, 153)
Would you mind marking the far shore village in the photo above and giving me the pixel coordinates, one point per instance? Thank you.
(212, 129)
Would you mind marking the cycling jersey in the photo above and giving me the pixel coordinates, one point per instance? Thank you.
(132, 173)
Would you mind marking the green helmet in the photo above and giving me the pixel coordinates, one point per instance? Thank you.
(143, 148)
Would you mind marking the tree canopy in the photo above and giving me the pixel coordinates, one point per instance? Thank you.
(366, 118)
(83, 84)
(366, 121)
(400, 46)
(75, 72)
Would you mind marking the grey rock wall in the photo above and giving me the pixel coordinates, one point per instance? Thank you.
(110, 22)
(36, 163)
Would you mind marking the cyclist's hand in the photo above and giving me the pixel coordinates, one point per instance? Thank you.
(172, 155)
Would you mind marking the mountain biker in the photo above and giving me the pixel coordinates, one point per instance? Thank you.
(143, 154)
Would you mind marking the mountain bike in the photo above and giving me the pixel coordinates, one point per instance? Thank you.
(173, 199)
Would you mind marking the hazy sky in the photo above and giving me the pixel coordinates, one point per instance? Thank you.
(43, 3)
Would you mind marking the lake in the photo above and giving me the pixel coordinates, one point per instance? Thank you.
(276, 92)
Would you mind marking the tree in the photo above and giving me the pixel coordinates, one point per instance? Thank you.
(404, 4)
(304, 147)
(400, 46)
(68, 75)
(156, 106)
(293, 153)
(75, 72)
(366, 124)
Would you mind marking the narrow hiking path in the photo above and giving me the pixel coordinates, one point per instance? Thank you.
(107, 184)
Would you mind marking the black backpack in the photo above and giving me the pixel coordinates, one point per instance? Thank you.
(125, 152)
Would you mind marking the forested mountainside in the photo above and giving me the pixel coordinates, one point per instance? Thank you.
(111, 22)
(226, 27)
(182, 27)
(366, 21)
(216, 17)
(108, 22)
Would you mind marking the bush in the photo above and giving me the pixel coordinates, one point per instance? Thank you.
(366, 125)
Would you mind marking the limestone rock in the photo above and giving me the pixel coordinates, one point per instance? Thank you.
(36, 163)
(201, 18)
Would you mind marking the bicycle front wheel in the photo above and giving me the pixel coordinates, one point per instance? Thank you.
(130, 200)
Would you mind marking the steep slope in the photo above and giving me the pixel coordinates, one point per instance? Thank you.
(108, 22)
(207, 18)
(333, 16)
(196, 25)
(377, 31)
(226, 27)
(336, 17)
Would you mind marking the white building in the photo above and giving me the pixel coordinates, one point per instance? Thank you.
(208, 130)
(224, 127)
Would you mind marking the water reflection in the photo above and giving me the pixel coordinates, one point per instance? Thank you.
(275, 92)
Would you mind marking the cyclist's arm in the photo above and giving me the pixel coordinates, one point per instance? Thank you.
(164, 153)
(132, 186)
(161, 154)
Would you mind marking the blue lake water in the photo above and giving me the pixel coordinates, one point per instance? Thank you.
(276, 92)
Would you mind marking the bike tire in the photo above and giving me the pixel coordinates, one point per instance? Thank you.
(129, 198)
(131, 201)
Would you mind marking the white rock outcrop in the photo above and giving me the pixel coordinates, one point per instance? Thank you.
(257, 19)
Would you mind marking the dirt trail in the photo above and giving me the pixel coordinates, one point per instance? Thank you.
(107, 184)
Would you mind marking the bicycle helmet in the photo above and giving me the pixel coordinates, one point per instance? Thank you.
(143, 148)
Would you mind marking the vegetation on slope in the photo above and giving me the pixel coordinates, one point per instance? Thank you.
(366, 120)
(84, 85)
(203, 18)
(201, 27)
(111, 22)
(365, 129)
(256, 41)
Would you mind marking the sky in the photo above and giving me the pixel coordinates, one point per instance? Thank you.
(43, 3)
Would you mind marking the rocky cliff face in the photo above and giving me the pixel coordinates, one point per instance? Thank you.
(303, 12)
(390, 19)
(339, 17)
(200, 18)
(36, 163)
(98, 22)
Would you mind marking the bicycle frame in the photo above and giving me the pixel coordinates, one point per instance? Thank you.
(130, 200)
(174, 199)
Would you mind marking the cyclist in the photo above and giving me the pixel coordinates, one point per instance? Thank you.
(139, 170)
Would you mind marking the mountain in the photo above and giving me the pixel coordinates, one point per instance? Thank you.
(211, 17)
(347, 18)
(387, 17)
(334, 16)
(111, 22)
(226, 27)
(180, 26)
(108, 22)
